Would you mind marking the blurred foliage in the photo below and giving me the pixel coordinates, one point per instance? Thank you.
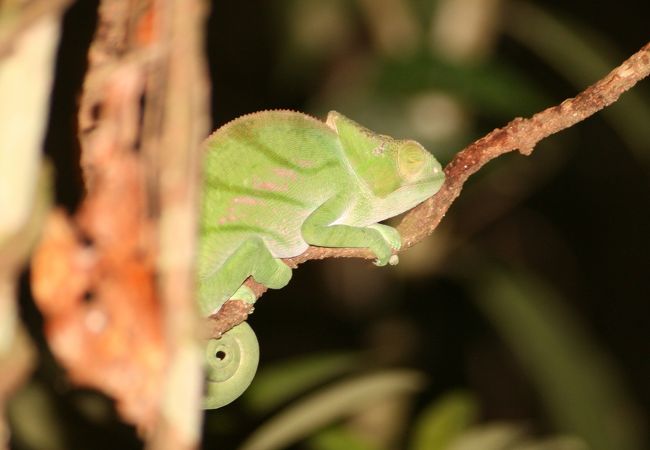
(579, 388)
(331, 404)
(275, 385)
(526, 312)
(444, 421)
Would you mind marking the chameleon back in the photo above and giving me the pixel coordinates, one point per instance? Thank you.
(264, 174)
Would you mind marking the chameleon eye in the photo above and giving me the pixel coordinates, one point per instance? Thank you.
(410, 159)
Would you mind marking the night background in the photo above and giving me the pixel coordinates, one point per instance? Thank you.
(523, 318)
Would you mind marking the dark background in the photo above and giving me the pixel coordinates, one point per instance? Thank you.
(573, 216)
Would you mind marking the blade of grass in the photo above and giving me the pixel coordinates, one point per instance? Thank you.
(332, 404)
(339, 438)
(443, 421)
(278, 384)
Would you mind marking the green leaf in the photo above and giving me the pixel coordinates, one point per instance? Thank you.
(339, 438)
(577, 385)
(331, 404)
(284, 381)
(495, 436)
(443, 421)
(492, 88)
(511, 436)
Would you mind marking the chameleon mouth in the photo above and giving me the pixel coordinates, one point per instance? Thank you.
(434, 184)
(436, 178)
(416, 193)
(426, 188)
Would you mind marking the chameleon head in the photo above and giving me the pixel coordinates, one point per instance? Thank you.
(398, 174)
(232, 363)
(415, 175)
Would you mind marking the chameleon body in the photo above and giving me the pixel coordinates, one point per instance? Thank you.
(276, 182)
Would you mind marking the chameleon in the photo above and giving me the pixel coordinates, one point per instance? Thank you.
(276, 182)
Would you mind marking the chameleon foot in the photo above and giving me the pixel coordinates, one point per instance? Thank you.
(231, 365)
(391, 237)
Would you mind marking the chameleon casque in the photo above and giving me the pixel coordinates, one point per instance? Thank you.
(276, 182)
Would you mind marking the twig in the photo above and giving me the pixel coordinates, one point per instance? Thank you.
(520, 134)
(523, 135)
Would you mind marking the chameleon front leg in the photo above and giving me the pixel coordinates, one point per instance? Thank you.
(232, 359)
(318, 229)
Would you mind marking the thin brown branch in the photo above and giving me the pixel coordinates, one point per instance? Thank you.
(523, 135)
(520, 134)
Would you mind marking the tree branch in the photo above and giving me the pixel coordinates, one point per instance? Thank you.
(520, 134)
(115, 282)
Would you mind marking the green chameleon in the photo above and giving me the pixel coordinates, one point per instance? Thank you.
(276, 182)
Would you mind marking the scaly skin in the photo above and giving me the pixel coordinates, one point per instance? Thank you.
(276, 182)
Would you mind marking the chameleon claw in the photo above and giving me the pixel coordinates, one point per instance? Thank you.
(393, 261)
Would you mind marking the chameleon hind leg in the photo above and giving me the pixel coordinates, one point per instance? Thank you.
(252, 257)
(232, 359)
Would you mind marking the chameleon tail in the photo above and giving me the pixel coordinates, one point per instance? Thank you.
(231, 365)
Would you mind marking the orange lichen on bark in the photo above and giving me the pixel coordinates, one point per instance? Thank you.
(96, 277)
(92, 278)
